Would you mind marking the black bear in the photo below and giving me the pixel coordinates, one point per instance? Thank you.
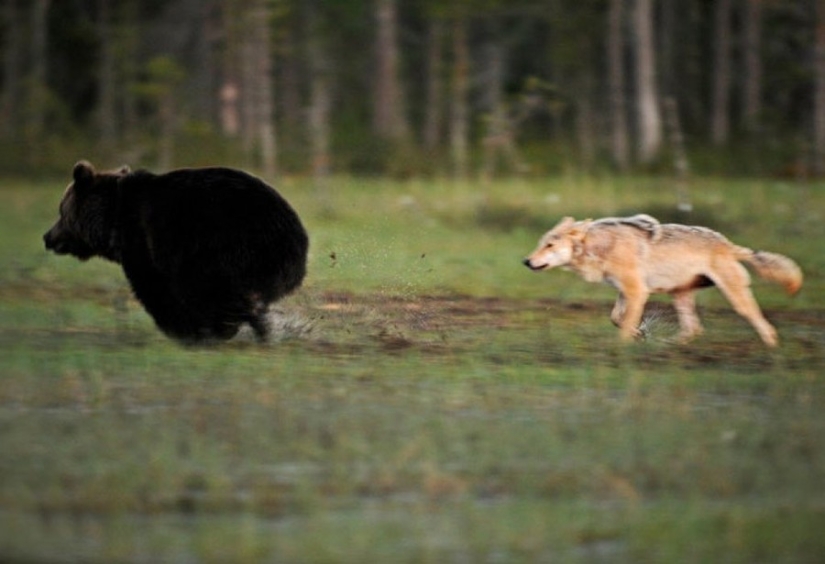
(204, 249)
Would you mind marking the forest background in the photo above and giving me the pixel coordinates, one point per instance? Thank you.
(430, 87)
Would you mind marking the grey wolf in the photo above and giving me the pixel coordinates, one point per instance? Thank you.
(639, 256)
(205, 250)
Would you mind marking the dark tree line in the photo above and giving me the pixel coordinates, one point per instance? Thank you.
(408, 87)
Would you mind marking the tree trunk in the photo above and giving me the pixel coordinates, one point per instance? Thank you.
(720, 113)
(670, 28)
(490, 76)
(435, 86)
(229, 114)
(680, 161)
(459, 127)
(204, 75)
(248, 91)
(586, 118)
(320, 99)
(752, 90)
(256, 96)
(128, 34)
(649, 114)
(167, 115)
(12, 69)
(107, 114)
(819, 90)
(264, 89)
(388, 118)
(289, 80)
(619, 144)
(38, 86)
(498, 129)
(229, 93)
(164, 77)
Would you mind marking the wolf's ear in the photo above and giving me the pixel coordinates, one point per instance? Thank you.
(565, 224)
(124, 170)
(579, 230)
(577, 233)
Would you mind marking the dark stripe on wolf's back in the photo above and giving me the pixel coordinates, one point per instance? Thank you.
(643, 222)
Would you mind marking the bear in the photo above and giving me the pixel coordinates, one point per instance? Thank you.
(205, 250)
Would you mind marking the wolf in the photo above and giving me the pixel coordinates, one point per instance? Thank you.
(640, 256)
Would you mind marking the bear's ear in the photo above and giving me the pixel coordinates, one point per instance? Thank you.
(124, 170)
(83, 171)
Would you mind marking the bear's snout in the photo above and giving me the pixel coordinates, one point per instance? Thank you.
(55, 246)
(54, 242)
(57, 242)
(48, 240)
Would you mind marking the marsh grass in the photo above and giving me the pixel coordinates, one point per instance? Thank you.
(426, 398)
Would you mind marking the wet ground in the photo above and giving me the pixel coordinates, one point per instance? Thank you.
(541, 330)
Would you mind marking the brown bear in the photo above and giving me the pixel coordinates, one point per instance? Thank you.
(204, 249)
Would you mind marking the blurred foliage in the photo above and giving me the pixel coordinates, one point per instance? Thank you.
(184, 48)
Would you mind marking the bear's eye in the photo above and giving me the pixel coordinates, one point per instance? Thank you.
(549, 245)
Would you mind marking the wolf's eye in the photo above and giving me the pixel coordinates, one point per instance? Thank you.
(548, 246)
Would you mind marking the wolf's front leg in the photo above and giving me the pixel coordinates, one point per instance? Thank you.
(635, 298)
(617, 314)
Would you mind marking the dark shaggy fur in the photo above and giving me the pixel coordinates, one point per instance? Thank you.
(205, 250)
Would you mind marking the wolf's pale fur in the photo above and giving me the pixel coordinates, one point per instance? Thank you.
(640, 256)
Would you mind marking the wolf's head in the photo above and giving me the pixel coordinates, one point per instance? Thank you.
(558, 246)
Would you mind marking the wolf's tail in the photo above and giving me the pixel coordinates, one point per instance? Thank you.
(774, 267)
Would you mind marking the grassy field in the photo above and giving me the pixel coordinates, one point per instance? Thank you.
(427, 398)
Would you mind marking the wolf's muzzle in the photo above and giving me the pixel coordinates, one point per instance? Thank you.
(526, 262)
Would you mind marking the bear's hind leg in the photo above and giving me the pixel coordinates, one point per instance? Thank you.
(261, 326)
(259, 317)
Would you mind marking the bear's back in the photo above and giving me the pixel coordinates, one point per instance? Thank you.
(213, 200)
(196, 221)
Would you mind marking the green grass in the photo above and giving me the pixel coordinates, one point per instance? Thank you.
(428, 399)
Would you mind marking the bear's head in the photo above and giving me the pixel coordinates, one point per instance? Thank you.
(86, 226)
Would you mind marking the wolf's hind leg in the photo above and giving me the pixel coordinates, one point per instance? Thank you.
(689, 324)
(734, 282)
